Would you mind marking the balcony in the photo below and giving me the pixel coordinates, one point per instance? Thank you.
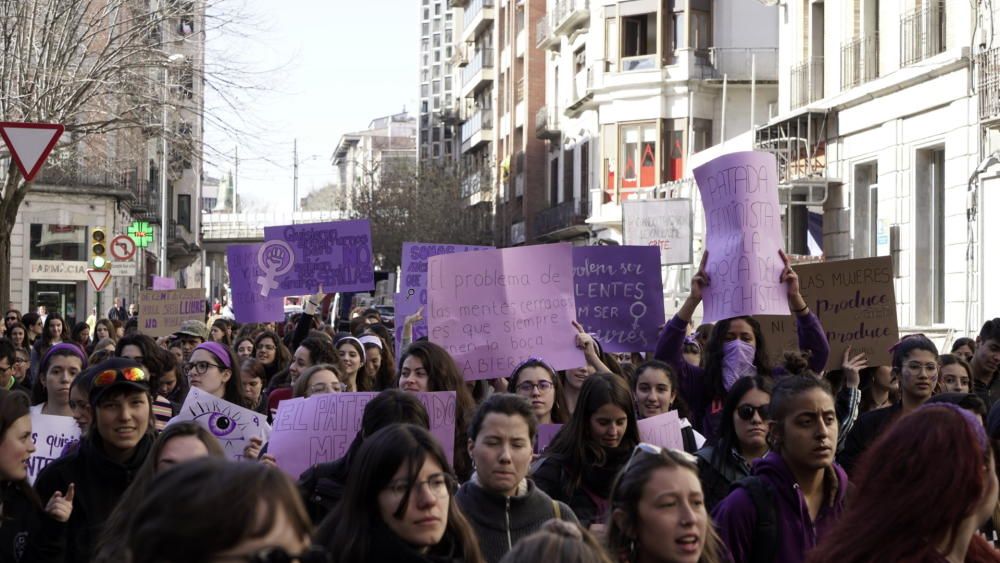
(740, 64)
(583, 91)
(478, 15)
(565, 220)
(859, 61)
(923, 33)
(988, 85)
(460, 56)
(73, 177)
(476, 185)
(477, 129)
(568, 15)
(544, 38)
(478, 73)
(546, 126)
(807, 82)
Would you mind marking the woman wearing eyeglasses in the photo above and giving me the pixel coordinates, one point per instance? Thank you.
(213, 369)
(658, 511)
(318, 380)
(580, 464)
(742, 439)
(215, 510)
(108, 458)
(399, 505)
(537, 382)
(795, 494)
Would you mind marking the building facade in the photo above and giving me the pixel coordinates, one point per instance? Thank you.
(437, 140)
(361, 157)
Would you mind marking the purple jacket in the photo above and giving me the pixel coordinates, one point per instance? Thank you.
(705, 407)
(736, 518)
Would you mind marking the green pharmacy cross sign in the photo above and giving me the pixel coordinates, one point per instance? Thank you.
(141, 233)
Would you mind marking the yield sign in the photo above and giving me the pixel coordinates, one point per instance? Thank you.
(98, 278)
(30, 144)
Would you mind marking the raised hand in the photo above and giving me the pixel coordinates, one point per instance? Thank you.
(852, 367)
(60, 507)
(700, 280)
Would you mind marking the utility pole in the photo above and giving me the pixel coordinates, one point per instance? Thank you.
(295, 175)
(236, 181)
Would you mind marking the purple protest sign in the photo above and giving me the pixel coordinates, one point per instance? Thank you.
(298, 259)
(544, 436)
(248, 305)
(405, 305)
(161, 283)
(743, 236)
(662, 430)
(495, 308)
(619, 295)
(318, 429)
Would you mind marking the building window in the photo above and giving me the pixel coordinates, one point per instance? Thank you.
(928, 251)
(675, 151)
(184, 211)
(638, 48)
(638, 157)
(553, 181)
(569, 163)
(58, 242)
(701, 30)
(866, 235)
(702, 129)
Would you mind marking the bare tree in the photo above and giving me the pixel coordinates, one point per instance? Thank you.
(98, 68)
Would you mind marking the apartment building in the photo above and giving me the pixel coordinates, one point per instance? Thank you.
(877, 136)
(437, 140)
(360, 158)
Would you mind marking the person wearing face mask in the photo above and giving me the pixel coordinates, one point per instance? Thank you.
(654, 385)
(735, 349)
(580, 464)
(502, 505)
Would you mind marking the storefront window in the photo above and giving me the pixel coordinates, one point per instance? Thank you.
(58, 242)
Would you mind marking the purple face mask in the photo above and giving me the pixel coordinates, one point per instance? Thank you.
(737, 362)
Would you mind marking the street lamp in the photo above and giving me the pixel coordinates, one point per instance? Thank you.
(164, 225)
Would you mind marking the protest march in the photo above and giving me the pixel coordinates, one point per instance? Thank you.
(531, 403)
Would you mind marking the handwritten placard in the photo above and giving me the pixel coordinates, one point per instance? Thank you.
(164, 283)
(318, 429)
(249, 306)
(232, 424)
(855, 301)
(161, 313)
(743, 236)
(298, 259)
(619, 295)
(413, 285)
(495, 308)
(544, 436)
(662, 430)
(51, 434)
(663, 223)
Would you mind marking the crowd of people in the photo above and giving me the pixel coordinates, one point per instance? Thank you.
(787, 463)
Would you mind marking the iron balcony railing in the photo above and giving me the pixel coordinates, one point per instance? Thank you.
(566, 214)
(859, 61)
(477, 181)
(740, 63)
(923, 32)
(807, 82)
(988, 84)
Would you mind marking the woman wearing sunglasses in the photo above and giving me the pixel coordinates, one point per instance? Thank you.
(537, 382)
(658, 511)
(795, 494)
(399, 505)
(109, 457)
(742, 439)
(214, 369)
(213, 510)
(580, 464)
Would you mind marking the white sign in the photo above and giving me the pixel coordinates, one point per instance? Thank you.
(233, 425)
(665, 223)
(59, 270)
(124, 269)
(51, 434)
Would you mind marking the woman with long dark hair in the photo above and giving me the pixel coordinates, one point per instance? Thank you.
(536, 381)
(379, 367)
(735, 349)
(400, 505)
(904, 510)
(742, 438)
(271, 352)
(654, 386)
(580, 464)
(54, 332)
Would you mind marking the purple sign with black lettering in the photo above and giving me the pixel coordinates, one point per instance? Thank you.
(619, 295)
(249, 305)
(299, 259)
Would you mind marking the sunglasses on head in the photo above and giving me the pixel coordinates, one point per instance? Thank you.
(110, 376)
(644, 448)
(745, 412)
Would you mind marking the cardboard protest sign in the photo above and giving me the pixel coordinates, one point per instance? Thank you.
(413, 283)
(619, 295)
(164, 283)
(298, 259)
(51, 434)
(232, 424)
(248, 304)
(161, 313)
(544, 436)
(855, 301)
(743, 236)
(663, 223)
(318, 429)
(662, 430)
(493, 309)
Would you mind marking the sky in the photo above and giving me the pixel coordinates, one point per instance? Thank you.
(329, 67)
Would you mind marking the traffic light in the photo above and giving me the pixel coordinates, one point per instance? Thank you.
(98, 250)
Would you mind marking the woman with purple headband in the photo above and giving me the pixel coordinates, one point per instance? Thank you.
(213, 369)
(59, 366)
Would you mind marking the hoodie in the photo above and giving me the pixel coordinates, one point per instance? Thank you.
(736, 516)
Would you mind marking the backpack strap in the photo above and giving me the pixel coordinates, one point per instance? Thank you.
(765, 535)
(556, 509)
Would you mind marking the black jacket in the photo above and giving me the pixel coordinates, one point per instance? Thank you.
(868, 427)
(23, 524)
(717, 481)
(590, 498)
(387, 546)
(322, 487)
(100, 483)
(500, 521)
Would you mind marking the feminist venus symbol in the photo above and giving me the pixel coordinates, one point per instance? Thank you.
(276, 258)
